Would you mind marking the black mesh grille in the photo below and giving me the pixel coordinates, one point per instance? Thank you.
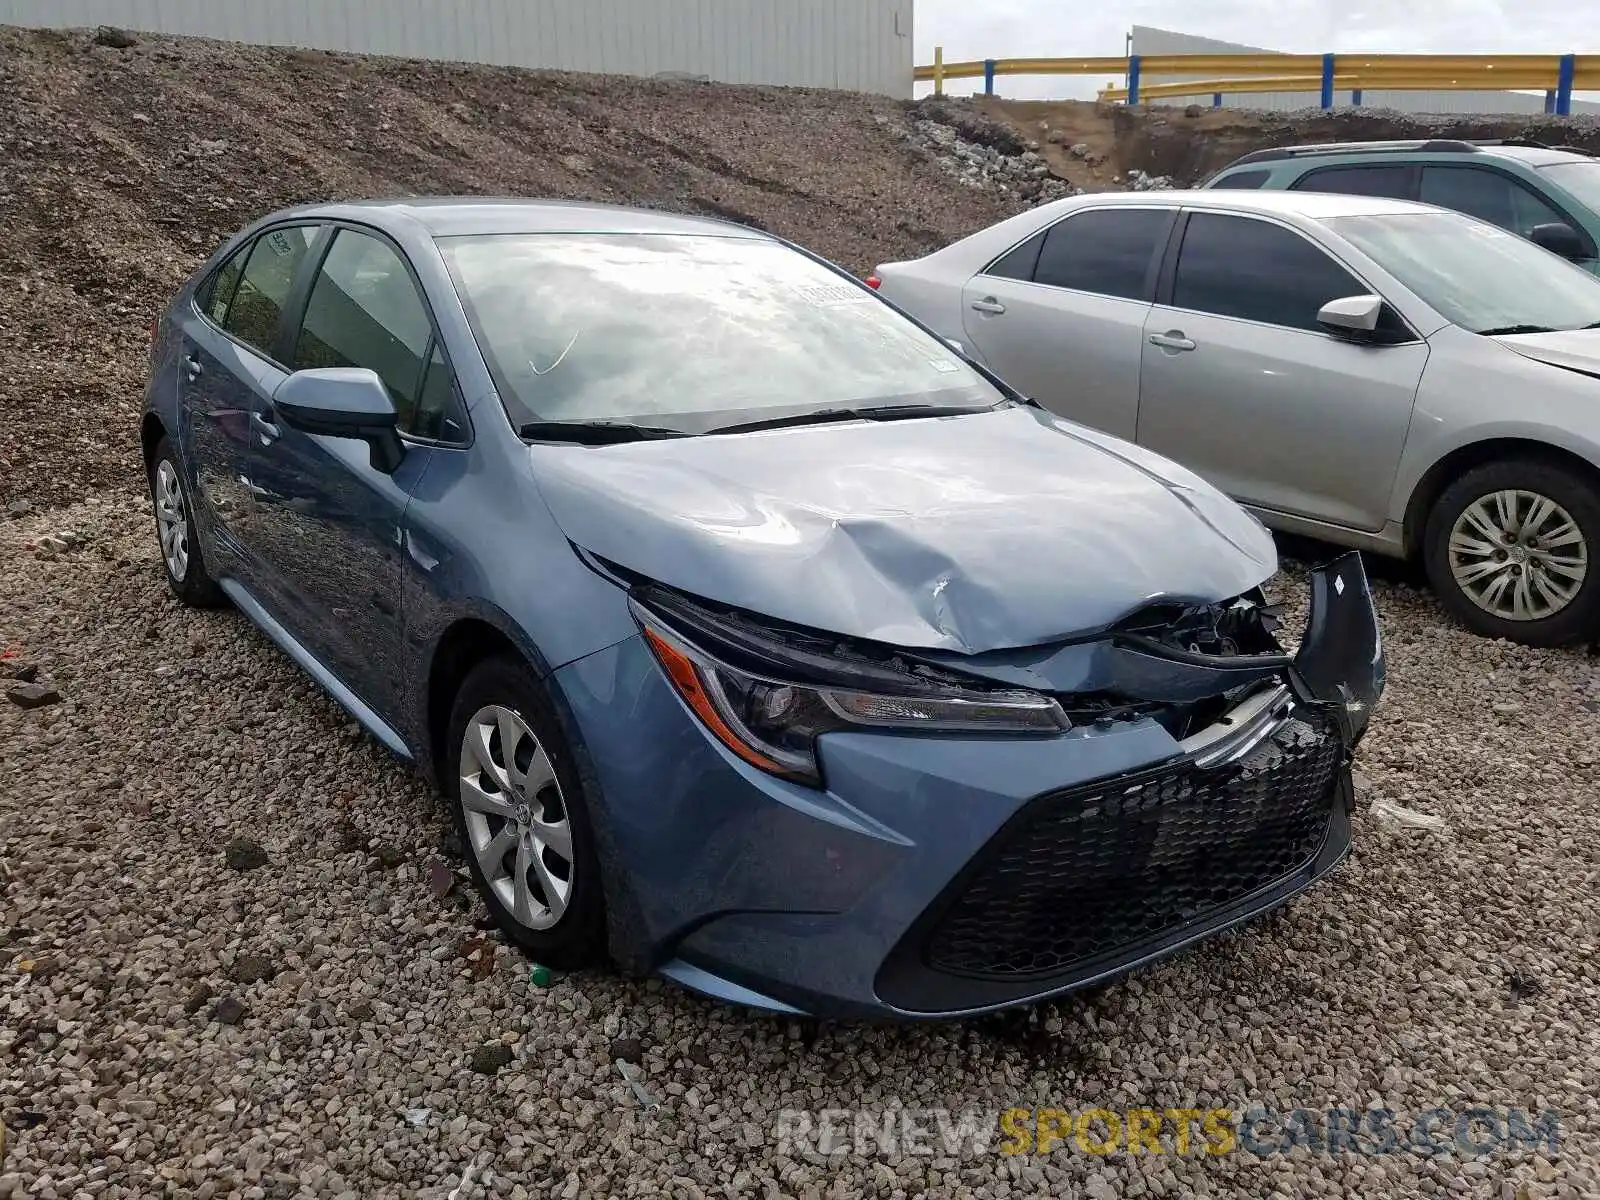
(1091, 870)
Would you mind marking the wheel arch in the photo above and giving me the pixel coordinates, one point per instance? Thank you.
(1476, 454)
(462, 646)
(151, 430)
(468, 640)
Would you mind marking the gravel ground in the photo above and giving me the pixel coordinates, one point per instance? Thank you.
(172, 1024)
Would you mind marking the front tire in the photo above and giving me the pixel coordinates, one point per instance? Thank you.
(521, 812)
(185, 566)
(1511, 550)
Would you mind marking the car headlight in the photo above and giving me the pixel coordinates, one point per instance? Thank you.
(773, 723)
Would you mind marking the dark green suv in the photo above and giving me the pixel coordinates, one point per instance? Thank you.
(1548, 194)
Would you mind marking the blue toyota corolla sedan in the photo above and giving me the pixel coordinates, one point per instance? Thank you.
(754, 635)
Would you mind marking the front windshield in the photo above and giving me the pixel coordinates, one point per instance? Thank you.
(1581, 178)
(1477, 275)
(689, 332)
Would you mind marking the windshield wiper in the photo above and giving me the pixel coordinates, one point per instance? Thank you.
(1507, 329)
(882, 412)
(595, 433)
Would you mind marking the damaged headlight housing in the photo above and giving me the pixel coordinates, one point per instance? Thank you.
(773, 723)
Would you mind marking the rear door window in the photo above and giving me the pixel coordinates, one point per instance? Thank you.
(1108, 251)
(1257, 271)
(256, 308)
(1394, 180)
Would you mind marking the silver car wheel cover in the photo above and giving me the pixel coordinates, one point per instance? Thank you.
(1518, 555)
(172, 521)
(516, 817)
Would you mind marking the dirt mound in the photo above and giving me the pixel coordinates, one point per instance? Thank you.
(1190, 143)
(123, 166)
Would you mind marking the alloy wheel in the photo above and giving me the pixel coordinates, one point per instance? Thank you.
(172, 520)
(1518, 555)
(516, 817)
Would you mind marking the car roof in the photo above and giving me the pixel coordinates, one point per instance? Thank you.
(450, 216)
(1313, 205)
(1523, 150)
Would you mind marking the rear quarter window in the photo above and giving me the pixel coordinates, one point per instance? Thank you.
(216, 293)
(1242, 179)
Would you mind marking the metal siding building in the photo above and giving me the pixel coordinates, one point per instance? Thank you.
(1149, 40)
(854, 45)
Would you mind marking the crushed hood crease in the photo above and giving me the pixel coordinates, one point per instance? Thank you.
(964, 533)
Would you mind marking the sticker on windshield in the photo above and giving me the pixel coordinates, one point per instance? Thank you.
(279, 241)
(829, 294)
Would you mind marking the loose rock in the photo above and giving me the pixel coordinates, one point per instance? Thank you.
(230, 1011)
(489, 1058)
(32, 695)
(243, 854)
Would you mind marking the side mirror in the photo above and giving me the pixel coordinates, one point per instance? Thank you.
(1352, 315)
(1559, 238)
(347, 402)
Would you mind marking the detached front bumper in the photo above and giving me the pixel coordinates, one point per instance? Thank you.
(943, 877)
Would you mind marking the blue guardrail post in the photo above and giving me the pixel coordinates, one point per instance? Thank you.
(1327, 80)
(1550, 101)
(1355, 98)
(1569, 65)
(1216, 99)
(1133, 79)
(988, 77)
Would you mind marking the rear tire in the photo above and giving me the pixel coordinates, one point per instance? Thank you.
(1512, 549)
(181, 557)
(521, 812)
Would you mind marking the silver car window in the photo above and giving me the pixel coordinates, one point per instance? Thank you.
(1109, 251)
(1256, 271)
(1475, 274)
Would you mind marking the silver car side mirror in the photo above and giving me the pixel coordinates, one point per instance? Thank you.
(1351, 314)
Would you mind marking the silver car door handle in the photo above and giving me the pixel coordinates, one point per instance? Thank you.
(268, 431)
(988, 306)
(1171, 341)
(191, 366)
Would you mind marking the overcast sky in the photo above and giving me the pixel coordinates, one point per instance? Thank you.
(1061, 28)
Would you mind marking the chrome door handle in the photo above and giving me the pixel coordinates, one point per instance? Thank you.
(267, 431)
(990, 305)
(191, 366)
(1172, 340)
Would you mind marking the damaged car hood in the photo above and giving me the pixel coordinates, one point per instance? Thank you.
(1571, 349)
(963, 533)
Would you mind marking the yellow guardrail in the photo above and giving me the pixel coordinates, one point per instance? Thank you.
(1557, 74)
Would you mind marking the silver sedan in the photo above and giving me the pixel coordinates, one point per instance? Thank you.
(1372, 372)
